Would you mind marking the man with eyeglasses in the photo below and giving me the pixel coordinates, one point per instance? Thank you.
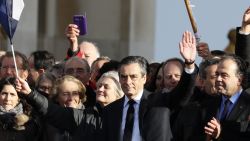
(8, 66)
(80, 69)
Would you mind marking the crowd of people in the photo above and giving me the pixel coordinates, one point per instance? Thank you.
(89, 97)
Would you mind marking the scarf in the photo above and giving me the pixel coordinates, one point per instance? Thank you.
(7, 118)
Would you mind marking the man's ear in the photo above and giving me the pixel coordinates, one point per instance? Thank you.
(200, 82)
(240, 79)
(25, 75)
(41, 71)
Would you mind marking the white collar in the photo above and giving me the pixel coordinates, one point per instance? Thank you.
(137, 99)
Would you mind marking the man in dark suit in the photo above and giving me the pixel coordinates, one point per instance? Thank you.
(231, 113)
(132, 73)
(204, 108)
(220, 119)
(235, 127)
(150, 123)
(190, 121)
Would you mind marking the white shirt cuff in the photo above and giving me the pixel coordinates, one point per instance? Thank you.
(244, 33)
(189, 71)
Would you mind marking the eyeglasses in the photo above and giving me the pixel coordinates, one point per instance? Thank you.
(75, 70)
(72, 94)
(44, 88)
(12, 68)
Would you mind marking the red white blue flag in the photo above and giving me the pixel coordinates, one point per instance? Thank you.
(10, 12)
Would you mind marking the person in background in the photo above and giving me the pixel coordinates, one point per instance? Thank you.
(57, 69)
(80, 69)
(45, 83)
(96, 65)
(159, 79)
(172, 70)
(112, 65)
(151, 77)
(8, 66)
(39, 62)
(230, 48)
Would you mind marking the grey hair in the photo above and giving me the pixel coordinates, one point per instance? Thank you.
(115, 77)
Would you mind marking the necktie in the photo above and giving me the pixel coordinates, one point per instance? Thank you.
(127, 136)
(225, 110)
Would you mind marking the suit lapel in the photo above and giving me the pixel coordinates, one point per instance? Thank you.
(143, 108)
(211, 106)
(117, 117)
(238, 108)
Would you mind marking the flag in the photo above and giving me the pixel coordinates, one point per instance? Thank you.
(10, 12)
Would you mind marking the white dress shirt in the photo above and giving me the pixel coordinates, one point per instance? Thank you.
(136, 136)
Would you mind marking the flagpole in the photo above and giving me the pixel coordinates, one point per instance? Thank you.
(14, 57)
(192, 21)
(10, 14)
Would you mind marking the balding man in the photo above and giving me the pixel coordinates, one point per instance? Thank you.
(80, 69)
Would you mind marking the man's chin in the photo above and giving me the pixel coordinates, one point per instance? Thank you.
(221, 91)
(129, 93)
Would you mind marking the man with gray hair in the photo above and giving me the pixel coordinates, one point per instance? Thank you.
(80, 69)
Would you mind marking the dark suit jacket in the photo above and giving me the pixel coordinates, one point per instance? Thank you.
(148, 123)
(237, 127)
(193, 118)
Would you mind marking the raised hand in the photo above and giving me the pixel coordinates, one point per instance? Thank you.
(246, 21)
(188, 47)
(72, 32)
(22, 86)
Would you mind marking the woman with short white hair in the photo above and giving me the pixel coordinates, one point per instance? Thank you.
(108, 88)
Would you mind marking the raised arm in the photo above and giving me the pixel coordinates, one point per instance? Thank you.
(245, 27)
(72, 33)
(63, 118)
(187, 48)
(242, 46)
(180, 95)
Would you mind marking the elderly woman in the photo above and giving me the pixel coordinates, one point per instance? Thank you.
(16, 123)
(67, 92)
(108, 88)
(83, 124)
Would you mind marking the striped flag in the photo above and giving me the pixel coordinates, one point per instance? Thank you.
(10, 12)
